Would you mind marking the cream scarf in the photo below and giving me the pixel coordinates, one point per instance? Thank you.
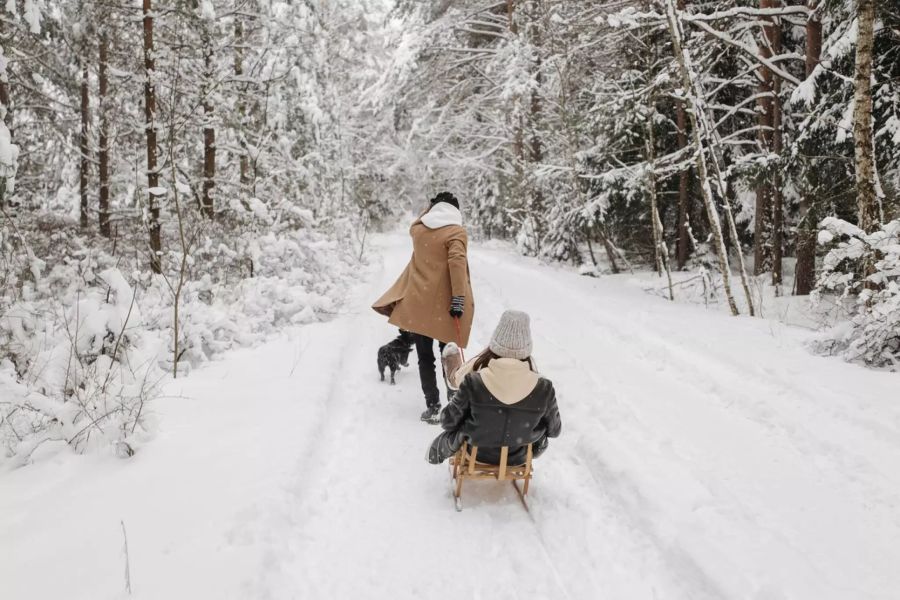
(509, 380)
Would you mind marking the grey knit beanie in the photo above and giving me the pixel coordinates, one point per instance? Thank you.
(512, 337)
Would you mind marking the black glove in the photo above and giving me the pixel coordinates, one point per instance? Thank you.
(456, 306)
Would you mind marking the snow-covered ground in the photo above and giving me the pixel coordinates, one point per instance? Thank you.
(702, 456)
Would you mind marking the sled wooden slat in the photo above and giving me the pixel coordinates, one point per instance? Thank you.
(529, 454)
(464, 465)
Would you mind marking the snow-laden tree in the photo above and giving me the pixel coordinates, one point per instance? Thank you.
(536, 112)
(222, 150)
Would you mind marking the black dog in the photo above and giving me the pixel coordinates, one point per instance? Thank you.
(395, 353)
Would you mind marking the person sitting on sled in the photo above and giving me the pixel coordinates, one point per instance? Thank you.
(501, 401)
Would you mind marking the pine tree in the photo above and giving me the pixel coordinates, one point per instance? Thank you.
(154, 192)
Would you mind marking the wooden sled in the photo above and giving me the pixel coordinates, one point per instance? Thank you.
(464, 465)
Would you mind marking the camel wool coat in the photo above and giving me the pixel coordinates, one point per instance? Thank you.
(419, 301)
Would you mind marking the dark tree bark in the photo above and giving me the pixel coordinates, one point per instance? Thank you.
(805, 272)
(4, 100)
(6, 107)
(152, 150)
(534, 117)
(83, 144)
(209, 170)
(241, 106)
(510, 11)
(4, 88)
(103, 137)
(535, 108)
(774, 35)
(683, 243)
(518, 141)
(209, 132)
(761, 241)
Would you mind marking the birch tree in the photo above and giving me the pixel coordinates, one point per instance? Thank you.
(693, 98)
(863, 140)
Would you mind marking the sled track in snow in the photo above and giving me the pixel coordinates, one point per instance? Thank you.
(703, 457)
(750, 401)
(774, 414)
(629, 505)
(548, 558)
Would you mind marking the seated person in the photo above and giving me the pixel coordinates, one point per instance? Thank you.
(501, 401)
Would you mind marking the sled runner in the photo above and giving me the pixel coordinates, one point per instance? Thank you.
(464, 465)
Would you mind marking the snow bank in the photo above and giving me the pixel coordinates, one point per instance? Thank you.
(78, 371)
(863, 270)
(84, 346)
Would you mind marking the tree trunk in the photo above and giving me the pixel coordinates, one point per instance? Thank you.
(150, 129)
(697, 115)
(534, 35)
(4, 88)
(774, 34)
(83, 145)
(241, 106)
(518, 128)
(683, 201)
(209, 132)
(510, 11)
(4, 100)
(661, 251)
(805, 272)
(765, 116)
(608, 247)
(103, 138)
(683, 242)
(534, 117)
(209, 170)
(866, 195)
(5, 109)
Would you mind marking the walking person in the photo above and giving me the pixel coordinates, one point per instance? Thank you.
(433, 292)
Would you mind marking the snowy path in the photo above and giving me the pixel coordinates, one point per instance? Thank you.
(701, 457)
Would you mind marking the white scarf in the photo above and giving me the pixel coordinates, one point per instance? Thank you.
(441, 215)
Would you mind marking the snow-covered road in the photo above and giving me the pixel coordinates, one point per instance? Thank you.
(702, 456)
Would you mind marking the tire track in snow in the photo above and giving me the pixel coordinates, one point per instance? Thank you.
(366, 517)
(369, 459)
(630, 506)
(682, 366)
(688, 373)
(273, 578)
(494, 308)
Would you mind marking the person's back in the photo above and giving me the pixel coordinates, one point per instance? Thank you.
(504, 404)
(501, 401)
(432, 298)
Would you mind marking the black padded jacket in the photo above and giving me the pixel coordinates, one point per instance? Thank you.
(476, 416)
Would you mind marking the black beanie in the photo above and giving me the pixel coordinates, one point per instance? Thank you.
(445, 197)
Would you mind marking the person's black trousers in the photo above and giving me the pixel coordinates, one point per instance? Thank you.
(427, 371)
